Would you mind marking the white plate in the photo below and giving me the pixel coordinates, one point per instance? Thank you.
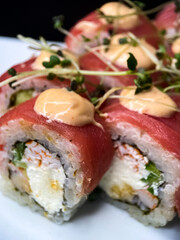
(97, 220)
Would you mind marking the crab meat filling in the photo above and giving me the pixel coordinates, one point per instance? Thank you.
(39, 173)
(132, 178)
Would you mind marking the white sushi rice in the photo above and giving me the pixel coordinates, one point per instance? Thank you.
(55, 144)
(165, 161)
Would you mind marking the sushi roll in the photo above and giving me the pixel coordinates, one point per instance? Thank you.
(96, 27)
(144, 177)
(54, 151)
(27, 88)
(114, 58)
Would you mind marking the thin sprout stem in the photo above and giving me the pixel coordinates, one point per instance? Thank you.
(153, 58)
(156, 9)
(28, 40)
(106, 96)
(66, 71)
(171, 87)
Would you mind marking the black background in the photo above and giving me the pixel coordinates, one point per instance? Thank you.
(34, 18)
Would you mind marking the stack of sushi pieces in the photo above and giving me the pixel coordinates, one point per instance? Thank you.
(52, 166)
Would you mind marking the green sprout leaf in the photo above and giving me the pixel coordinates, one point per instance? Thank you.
(58, 21)
(132, 62)
(54, 60)
(143, 82)
(74, 85)
(94, 99)
(51, 76)
(65, 62)
(12, 72)
(60, 53)
(80, 79)
(154, 178)
(161, 52)
(140, 4)
(106, 41)
(123, 41)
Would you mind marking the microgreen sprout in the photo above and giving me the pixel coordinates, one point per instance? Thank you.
(54, 60)
(58, 21)
(132, 62)
(12, 72)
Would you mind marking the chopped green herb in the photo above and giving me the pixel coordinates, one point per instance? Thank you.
(151, 190)
(12, 72)
(58, 21)
(54, 60)
(18, 152)
(132, 62)
(123, 40)
(154, 178)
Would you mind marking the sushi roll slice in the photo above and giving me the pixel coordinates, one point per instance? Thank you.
(96, 27)
(54, 152)
(11, 96)
(144, 178)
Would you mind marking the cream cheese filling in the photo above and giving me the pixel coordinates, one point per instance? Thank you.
(123, 181)
(45, 177)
